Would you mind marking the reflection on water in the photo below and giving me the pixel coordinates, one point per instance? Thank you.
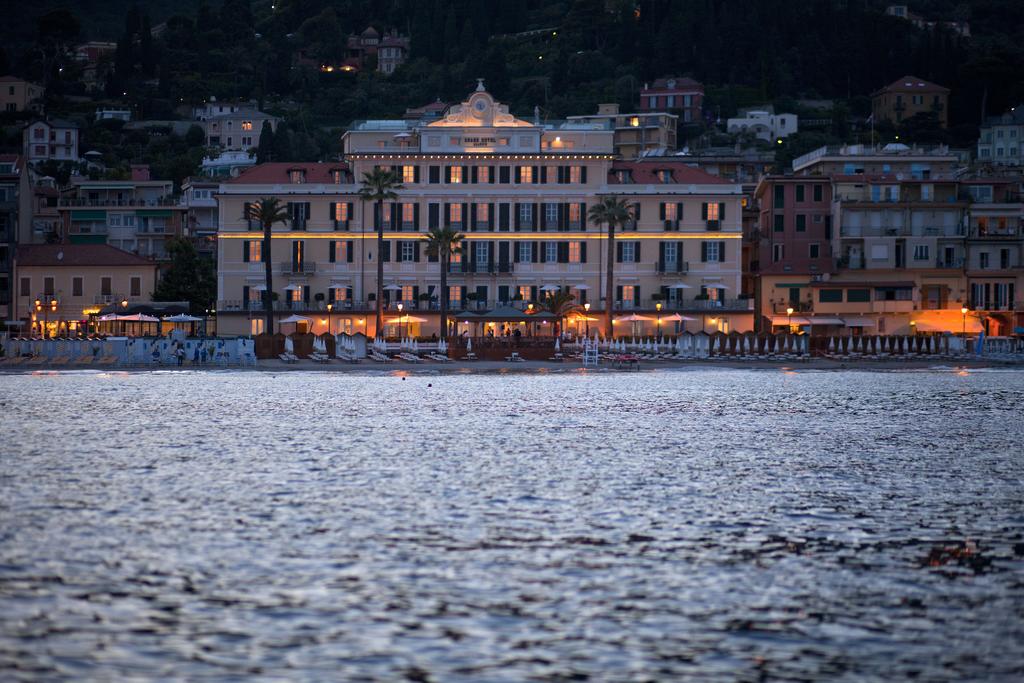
(719, 525)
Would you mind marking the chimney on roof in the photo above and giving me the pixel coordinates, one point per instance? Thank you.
(140, 172)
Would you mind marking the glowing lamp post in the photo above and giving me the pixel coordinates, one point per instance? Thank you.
(657, 307)
(789, 314)
(401, 327)
(330, 307)
(963, 322)
(586, 315)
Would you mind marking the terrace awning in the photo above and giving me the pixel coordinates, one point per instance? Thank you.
(507, 314)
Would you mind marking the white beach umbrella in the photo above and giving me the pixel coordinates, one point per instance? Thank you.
(289, 346)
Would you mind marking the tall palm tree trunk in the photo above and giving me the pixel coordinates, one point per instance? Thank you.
(609, 285)
(379, 327)
(444, 295)
(268, 294)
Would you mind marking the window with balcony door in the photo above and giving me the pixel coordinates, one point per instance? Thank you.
(628, 252)
(525, 174)
(713, 213)
(408, 214)
(921, 252)
(483, 213)
(671, 215)
(408, 174)
(408, 293)
(483, 174)
(455, 214)
(408, 254)
(456, 174)
(551, 214)
(526, 214)
(341, 212)
(671, 255)
(526, 252)
(524, 292)
(246, 125)
(575, 174)
(482, 252)
(628, 293)
(550, 251)
(295, 295)
(255, 250)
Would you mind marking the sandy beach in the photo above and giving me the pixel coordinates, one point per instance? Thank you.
(504, 367)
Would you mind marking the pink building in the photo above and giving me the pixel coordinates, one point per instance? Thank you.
(684, 96)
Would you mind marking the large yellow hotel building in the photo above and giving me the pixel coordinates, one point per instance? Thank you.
(519, 191)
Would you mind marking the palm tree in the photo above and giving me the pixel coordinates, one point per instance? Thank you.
(268, 211)
(442, 243)
(380, 185)
(561, 304)
(611, 211)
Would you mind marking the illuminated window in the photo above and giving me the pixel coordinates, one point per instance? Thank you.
(456, 172)
(712, 212)
(455, 295)
(246, 125)
(456, 256)
(670, 212)
(574, 213)
(526, 174)
(575, 174)
(628, 292)
(524, 292)
(341, 293)
(634, 121)
(483, 174)
(408, 213)
(295, 295)
(341, 211)
(297, 176)
(255, 294)
(665, 176)
(337, 177)
(482, 213)
(455, 213)
(574, 252)
(255, 250)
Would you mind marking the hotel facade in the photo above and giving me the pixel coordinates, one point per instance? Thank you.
(519, 192)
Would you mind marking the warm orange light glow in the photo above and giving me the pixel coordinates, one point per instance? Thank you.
(789, 311)
(963, 311)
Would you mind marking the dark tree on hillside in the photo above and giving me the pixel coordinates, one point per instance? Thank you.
(190, 278)
(265, 150)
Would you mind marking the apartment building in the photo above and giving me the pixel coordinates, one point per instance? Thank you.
(1002, 139)
(793, 242)
(232, 126)
(18, 95)
(198, 196)
(518, 191)
(994, 252)
(764, 124)
(72, 282)
(915, 245)
(53, 139)
(635, 134)
(684, 96)
(137, 215)
(15, 212)
(909, 96)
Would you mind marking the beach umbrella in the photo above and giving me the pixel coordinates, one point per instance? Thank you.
(469, 344)
(558, 345)
(550, 288)
(181, 318)
(289, 346)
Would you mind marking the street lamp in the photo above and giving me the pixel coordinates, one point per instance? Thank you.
(963, 322)
(586, 315)
(657, 307)
(913, 327)
(53, 309)
(401, 327)
(329, 325)
(789, 313)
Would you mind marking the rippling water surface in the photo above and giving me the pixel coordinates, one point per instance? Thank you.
(716, 525)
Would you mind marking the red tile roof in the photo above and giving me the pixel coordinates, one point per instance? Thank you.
(12, 159)
(52, 255)
(912, 84)
(276, 173)
(646, 173)
(683, 83)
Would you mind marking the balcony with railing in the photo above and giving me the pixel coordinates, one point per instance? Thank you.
(861, 231)
(129, 202)
(297, 267)
(671, 267)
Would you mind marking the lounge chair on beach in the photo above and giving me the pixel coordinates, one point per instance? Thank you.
(288, 357)
(379, 357)
(439, 357)
(410, 357)
(514, 358)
